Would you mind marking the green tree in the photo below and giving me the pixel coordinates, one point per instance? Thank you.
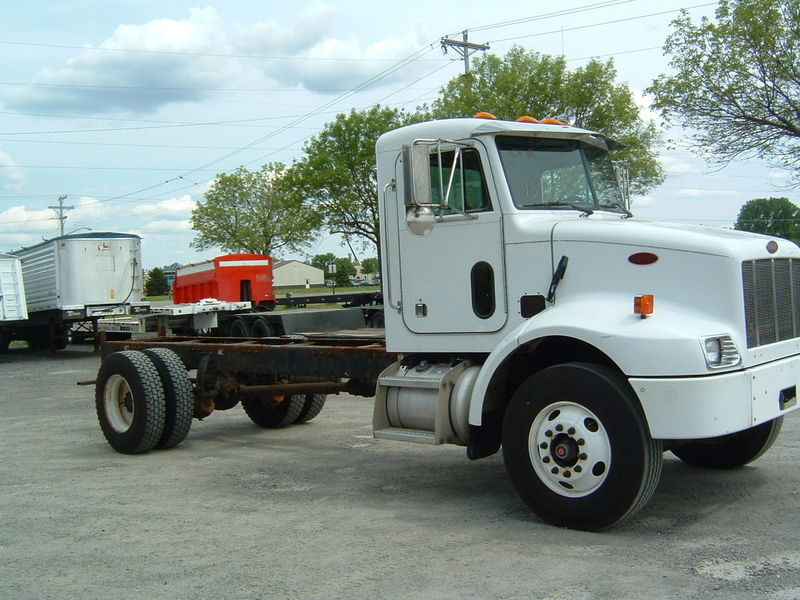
(537, 85)
(370, 265)
(345, 269)
(156, 284)
(337, 172)
(736, 81)
(771, 216)
(253, 211)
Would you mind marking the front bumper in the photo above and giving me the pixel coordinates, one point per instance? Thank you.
(714, 405)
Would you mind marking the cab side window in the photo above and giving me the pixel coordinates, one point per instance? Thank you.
(468, 192)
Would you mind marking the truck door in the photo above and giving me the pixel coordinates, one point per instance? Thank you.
(452, 277)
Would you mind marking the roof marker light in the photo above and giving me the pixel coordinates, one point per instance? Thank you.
(527, 119)
(552, 121)
(485, 115)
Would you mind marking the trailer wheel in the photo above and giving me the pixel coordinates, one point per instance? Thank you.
(577, 447)
(261, 328)
(377, 320)
(269, 412)
(239, 328)
(732, 450)
(129, 399)
(178, 395)
(312, 406)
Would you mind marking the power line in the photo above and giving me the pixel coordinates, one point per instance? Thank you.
(591, 25)
(196, 54)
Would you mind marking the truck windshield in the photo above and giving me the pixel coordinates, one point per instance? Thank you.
(558, 173)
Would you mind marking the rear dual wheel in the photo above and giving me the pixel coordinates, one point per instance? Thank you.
(272, 412)
(577, 447)
(143, 400)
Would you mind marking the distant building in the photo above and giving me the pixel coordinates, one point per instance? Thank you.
(293, 273)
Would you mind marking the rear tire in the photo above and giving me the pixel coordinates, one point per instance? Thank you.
(577, 447)
(312, 406)
(239, 328)
(732, 450)
(178, 393)
(129, 399)
(261, 329)
(267, 412)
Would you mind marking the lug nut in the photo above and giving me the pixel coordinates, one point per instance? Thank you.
(543, 445)
(571, 431)
(545, 459)
(582, 456)
(567, 474)
(554, 470)
(559, 427)
(578, 468)
(548, 433)
(581, 441)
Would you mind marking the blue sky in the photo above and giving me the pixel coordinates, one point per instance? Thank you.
(131, 108)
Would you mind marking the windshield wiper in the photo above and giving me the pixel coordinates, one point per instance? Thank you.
(584, 210)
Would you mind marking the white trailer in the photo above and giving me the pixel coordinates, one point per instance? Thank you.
(12, 291)
(524, 307)
(76, 278)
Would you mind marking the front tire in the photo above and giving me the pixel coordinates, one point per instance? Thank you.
(577, 447)
(129, 399)
(732, 450)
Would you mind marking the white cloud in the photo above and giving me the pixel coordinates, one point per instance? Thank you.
(19, 218)
(11, 176)
(172, 207)
(705, 193)
(678, 166)
(167, 225)
(640, 201)
(644, 102)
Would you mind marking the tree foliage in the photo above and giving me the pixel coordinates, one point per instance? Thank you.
(156, 284)
(527, 83)
(254, 212)
(736, 81)
(345, 269)
(337, 172)
(370, 266)
(771, 216)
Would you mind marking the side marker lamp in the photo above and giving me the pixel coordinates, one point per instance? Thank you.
(644, 305)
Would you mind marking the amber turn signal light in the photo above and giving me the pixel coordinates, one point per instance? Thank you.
(644, 305)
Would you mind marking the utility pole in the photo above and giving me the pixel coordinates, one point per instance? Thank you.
(60, 210)
(464, 47)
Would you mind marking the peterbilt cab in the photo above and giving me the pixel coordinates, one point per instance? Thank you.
(533, 310)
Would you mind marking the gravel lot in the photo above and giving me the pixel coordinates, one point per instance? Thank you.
(322, 510)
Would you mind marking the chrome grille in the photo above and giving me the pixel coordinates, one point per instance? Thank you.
(771, 300)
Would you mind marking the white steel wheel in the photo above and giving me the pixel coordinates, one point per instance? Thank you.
(577, 447)
(118, 403)
(569, 449)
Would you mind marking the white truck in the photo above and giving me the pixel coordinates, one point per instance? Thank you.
(76, 278)
(524, 307)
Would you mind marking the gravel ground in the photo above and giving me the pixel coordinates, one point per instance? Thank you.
(322, 510)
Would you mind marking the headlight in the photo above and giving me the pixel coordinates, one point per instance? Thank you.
(720, 352)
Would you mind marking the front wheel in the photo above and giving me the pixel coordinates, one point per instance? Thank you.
(732, 450)
(577, 447)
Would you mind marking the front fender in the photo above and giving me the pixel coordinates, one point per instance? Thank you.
(666, 344)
